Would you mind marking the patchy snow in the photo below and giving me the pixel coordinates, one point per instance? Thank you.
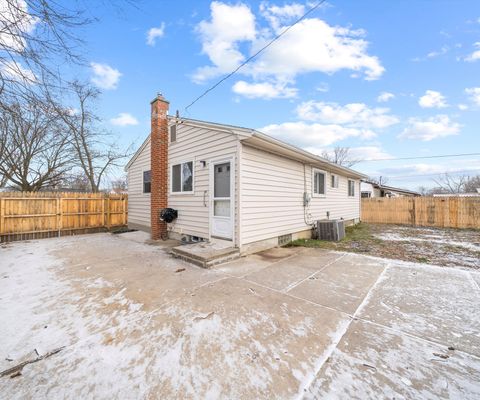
(201, 334)
(428, 238)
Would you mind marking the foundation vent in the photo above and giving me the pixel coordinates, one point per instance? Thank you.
(284, 239)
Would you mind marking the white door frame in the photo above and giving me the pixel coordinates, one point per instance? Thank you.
(212, 164)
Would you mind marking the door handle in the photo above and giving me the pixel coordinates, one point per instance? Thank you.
(204, 196)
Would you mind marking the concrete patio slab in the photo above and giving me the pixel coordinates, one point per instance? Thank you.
(133, 322)
(284, 274)
(373, 362)
(476, 278)
(433, 303)
(342, 284)
(244, 265)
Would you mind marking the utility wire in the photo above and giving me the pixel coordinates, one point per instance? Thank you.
(418, 158)
(433, 174)
(256, 54)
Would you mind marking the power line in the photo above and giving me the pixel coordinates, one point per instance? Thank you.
(256, 54)
(420, 157)
(433, 174)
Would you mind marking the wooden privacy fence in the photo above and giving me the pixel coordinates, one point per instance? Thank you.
(31, 215)
(444, 212)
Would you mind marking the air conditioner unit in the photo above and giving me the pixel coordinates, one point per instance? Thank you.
(331, 229)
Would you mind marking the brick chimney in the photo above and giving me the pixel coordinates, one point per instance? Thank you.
(159, 164)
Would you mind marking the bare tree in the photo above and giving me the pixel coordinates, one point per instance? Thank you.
(340, 156)
(451, 183)
(35, 148)
(423, 190)
(119, 185)
(35, 37)
(380, 180)
(95, 151)
(472, 184)
(75, 181)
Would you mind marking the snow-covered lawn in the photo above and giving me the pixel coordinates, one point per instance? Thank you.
(131, 322)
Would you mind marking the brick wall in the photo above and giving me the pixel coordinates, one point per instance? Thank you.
(159, 164)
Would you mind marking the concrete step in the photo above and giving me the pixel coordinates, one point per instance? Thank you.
(205, 256)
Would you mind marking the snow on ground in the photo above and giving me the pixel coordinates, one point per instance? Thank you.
(135, 323)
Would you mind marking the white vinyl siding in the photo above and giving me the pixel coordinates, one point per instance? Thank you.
(138, 201)
(197, 144)
(272, 196)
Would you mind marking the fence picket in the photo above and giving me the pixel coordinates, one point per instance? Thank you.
(40, 214)
(442, 212)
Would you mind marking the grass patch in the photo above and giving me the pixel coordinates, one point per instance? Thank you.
(359, 234)
(422, 259)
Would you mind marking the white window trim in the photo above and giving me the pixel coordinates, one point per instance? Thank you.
(143, 193)
(348, 188)
(315, 170)
(338, 181)
(181, 183)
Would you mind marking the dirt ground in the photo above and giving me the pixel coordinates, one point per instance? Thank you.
(106, 316)
(442, 247)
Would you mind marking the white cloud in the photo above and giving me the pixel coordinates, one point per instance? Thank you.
(124, 119)
(105, 76)
(315, 46)
(354, 114)
(474, 94)
(322, 87)
(277, 15)
(475, 55)
(356, 153)
(369, 153)
(311, 46)
(15, 23)
(385, 96)
(154, 33)
(437, 53)
(432, 128)
(220, 36)
(264, 90)
(462, 107)
(304, 134)
(432, 99)
(14, 71)
(322, 124)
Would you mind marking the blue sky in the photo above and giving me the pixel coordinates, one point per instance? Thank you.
(386, 78)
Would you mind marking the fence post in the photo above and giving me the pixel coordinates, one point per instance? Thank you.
(59, 217)
(108, 212)
(2, 215)
(414, 211)
(124, 205)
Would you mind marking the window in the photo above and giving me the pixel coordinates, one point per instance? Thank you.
(173, 133)
(147, 181)
(182, 177)
(366, 195)
(351, 188)
(334, 181)
(318, 182)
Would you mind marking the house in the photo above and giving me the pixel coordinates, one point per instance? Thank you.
(233, 184)
(372, 189)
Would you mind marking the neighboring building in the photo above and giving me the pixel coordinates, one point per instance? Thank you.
(371, 189)
(232, 183)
